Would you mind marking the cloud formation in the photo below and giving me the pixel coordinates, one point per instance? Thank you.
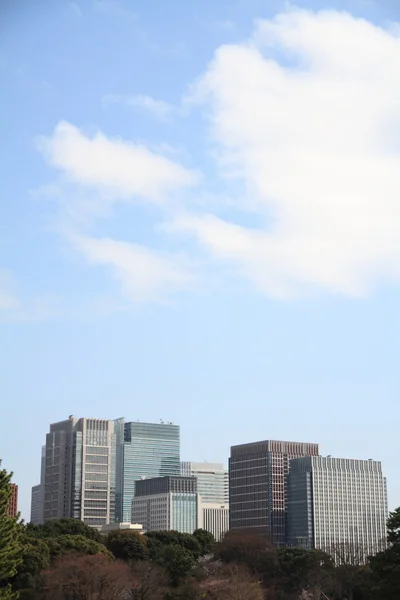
(160, 109)
(145, 275)
(121, 169)
(307, 115)
(305, 125)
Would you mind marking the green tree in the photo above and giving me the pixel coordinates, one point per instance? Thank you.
(63, 526)
(393, 527)
(35, 559)
(74, 544)
(127, 545)
(385, 567)
(177, 561)
(158, 539)
(205, 539)
(10, 546)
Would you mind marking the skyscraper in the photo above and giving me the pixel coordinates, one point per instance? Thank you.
(212, 480)
(36, 505)
(337, 505)
(13, 505)
(143, 450)
(37, 496)
(166, 503)
(80, 471)
(257, 485)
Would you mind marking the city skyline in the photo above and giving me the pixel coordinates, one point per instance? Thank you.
(200, 223)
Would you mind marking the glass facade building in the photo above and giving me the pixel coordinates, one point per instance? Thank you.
(166, 503)
(337, 505)
(257, 485)
(212, 481)
(144, 450)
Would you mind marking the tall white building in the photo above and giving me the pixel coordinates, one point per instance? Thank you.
(337, 505)
(79, 478)
(214, 518)
(213, 490)
(212, 480)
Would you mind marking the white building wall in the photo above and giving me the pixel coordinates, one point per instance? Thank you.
(214, 518)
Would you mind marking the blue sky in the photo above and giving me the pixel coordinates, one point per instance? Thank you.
(200, 223)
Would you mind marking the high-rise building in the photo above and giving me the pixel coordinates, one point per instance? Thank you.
(36, 505)
(257, 485)
(213, 518)
(166, 503)
(337, 505)
(79, 479)
(13, 504)
(143, 450)
(212, 480)
(37, 496)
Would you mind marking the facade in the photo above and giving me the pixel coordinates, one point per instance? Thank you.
(36, 505)
(80, 471)
(143, 450)
(13, 505)
(337, 505)
(212, 480)
(37, 495)
(257, 485)
(214, 518)
(122, 527)
(166, 503)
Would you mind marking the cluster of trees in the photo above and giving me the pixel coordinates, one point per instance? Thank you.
(67, 560)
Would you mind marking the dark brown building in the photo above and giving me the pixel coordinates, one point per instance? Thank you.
(257, 486)
(13, 506)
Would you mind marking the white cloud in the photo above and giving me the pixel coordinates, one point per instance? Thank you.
(145, 275)
(307, 115)
(113, 166)
(161, 110)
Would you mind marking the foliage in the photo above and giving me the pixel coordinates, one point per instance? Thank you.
(166, 538)
(63, 526)
(10, 545)
(205, 539)
(35, 559)
(149, 581)
(177, 561)
(87, 578)
(127, 545)
(393, 527)
(73, 544)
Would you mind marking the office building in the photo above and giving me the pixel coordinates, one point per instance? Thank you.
(213, 518)
(212, 480)
(166, 503)
(36, 505)
(337, 505)
(80, 471)
(257, 485)
(13, 504)
(143, 450)
(37, 495)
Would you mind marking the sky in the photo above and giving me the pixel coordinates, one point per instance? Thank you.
(200, 223)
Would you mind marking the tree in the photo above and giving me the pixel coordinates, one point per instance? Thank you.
(35, 558)
(393, 527)
(300, 569)
(87, 578)
(385, 567)
(74, 544)
(10, 546)
(234, 583)
(157, 539)
(149, 581)
(63, 526)
(178, 562)
(127, 545)
(205, 539)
